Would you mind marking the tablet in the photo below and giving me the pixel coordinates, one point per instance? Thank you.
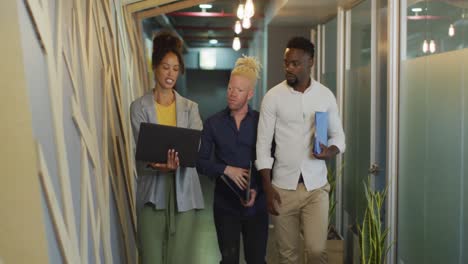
(155, 140)
(243, 194)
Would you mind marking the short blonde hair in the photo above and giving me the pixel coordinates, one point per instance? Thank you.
(248, 67)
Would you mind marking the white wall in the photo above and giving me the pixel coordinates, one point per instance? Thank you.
(225, 57)
(22, 236)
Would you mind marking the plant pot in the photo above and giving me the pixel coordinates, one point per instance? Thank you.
(335, 247)
(335, 251)
(355, 247)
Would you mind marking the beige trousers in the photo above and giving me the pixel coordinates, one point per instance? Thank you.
(303, 212)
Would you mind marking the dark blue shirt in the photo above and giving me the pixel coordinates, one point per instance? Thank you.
(231, 147)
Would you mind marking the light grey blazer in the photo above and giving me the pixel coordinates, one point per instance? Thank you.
(150, 186)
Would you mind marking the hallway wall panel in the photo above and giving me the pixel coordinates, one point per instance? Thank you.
(82, 74)
(357, 107)
(22, 235)
(432, 174)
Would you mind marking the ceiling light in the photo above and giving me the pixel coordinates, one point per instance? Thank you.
(238, 27)
(236, 45)
(432, 46)
(425, 46)
(246, 23)
(213, 41)
(249, 9)
(451, 31)
(240, 11)
(205, 6)
(416, 9)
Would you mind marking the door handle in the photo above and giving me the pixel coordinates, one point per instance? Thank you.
(374, 169)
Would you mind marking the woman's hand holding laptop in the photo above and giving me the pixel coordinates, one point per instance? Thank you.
(171, 164)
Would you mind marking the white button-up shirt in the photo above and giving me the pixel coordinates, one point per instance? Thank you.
(289, 117)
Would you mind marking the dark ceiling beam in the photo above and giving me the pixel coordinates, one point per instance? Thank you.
(210, 28)
(145, 4)
(207, 14)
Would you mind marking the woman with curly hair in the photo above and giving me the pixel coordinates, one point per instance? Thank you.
(167, 195)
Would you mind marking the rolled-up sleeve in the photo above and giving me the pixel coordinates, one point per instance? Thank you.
(266, 130)
(336, 134)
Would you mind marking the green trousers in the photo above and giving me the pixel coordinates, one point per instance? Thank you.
(166, 236)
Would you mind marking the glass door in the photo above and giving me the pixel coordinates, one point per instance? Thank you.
(357, 109)
(364, 109)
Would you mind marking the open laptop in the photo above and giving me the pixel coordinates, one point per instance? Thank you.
(155, 140)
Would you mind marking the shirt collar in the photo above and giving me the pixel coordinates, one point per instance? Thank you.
(227, 111)
(312, 82)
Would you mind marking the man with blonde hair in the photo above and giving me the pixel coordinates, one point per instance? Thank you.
(232, 134)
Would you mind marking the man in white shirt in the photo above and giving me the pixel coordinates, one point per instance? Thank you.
(297, 196)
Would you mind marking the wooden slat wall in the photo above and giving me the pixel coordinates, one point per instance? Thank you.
(96, 46)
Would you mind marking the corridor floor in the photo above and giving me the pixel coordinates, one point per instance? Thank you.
(205, 246)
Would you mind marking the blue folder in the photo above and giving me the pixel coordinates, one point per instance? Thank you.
(321, 128)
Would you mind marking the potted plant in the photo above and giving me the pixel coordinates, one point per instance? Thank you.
(372, 236)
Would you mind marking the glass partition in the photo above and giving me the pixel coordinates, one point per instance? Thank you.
(329, 63)
(357, 99)
(433, 133)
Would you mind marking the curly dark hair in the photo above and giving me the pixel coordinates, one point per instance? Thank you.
(164, 43)
(302, 44)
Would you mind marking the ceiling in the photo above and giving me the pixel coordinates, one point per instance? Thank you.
(197, 26)
(309, 12)
(304, 12)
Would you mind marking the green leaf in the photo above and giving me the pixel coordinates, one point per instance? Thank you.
(372, 237)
